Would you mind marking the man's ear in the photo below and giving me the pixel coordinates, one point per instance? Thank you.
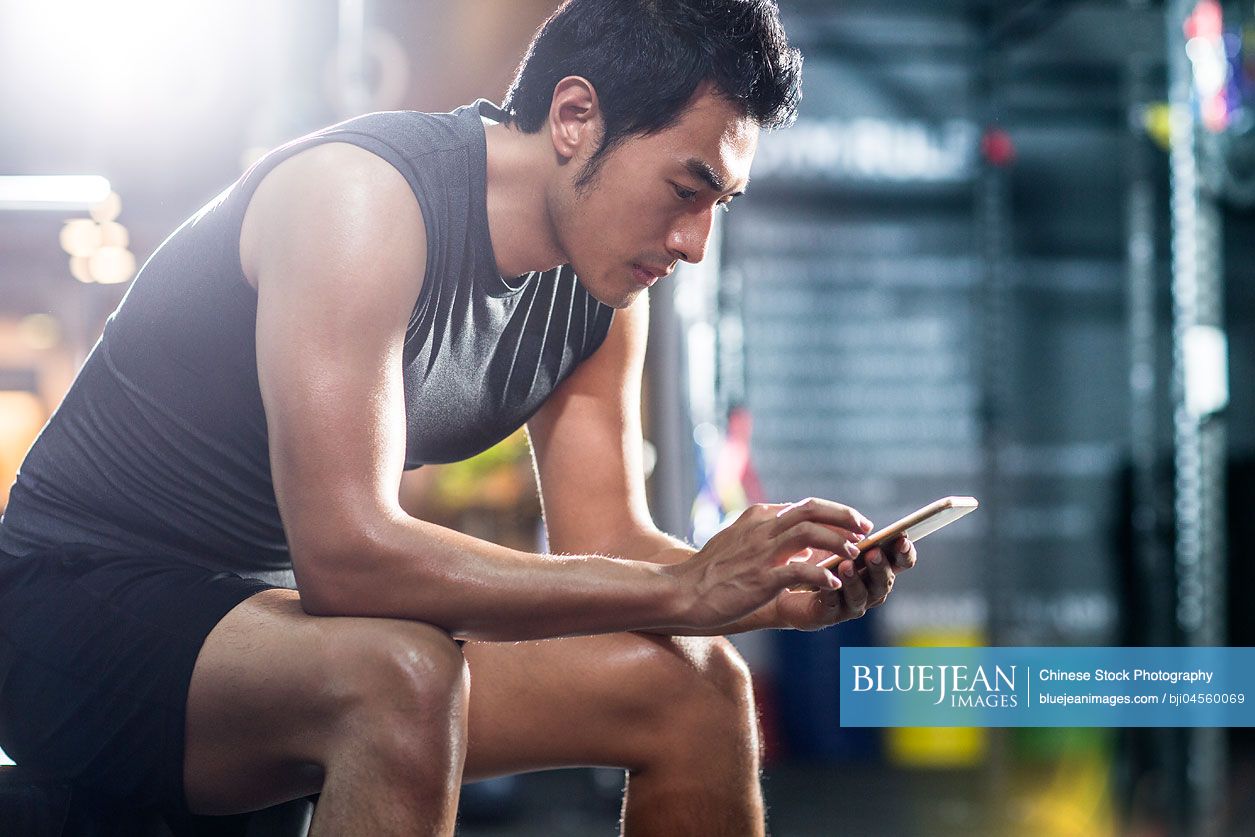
(574, 118)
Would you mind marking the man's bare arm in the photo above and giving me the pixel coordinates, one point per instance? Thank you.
(587, 445)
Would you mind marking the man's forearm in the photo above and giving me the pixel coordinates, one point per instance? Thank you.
(658, 547)
(407, 568)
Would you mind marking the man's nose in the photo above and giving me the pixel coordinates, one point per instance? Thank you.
(688, 238)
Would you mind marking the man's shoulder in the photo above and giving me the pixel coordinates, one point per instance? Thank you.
(339, 168)
(329, 198)
(337, 181)
(411, 133)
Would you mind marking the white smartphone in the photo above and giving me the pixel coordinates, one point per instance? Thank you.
(915, 525)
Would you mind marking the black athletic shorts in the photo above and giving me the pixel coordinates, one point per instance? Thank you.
(96, 656)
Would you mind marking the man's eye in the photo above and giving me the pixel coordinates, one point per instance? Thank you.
(684, 194)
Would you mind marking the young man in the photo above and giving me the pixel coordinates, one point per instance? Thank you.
(212, 599)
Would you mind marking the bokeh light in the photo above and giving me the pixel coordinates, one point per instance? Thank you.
(108, 209)
(80, 269)
(80, 237)
(112, 265)
(113, 234)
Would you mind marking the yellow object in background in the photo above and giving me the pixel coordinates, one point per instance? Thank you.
(1072, 796)
(937, 746)
(1157, 120)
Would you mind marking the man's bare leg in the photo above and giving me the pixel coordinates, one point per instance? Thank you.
(375, 713)
(677, 713)
(371, 712)
(374, 787)
(713, 789)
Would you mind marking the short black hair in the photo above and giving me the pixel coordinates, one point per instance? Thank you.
(646, 58)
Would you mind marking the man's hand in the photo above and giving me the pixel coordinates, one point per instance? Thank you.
(861, 589)
(746, 565)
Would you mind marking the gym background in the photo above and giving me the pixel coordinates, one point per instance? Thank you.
(1006, 251)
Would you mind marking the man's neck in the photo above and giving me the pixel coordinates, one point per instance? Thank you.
(519, 223)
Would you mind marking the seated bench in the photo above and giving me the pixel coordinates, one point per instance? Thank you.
(31, 806)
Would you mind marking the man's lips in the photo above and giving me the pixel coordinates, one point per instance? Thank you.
(648, 275)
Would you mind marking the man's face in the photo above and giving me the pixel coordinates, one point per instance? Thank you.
(653, 200)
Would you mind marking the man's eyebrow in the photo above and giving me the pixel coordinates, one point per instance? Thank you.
(705, 172)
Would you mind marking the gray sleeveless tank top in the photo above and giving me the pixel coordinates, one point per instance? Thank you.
(160, 445)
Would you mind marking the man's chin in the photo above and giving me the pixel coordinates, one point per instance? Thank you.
(626, 300)
(615, 297)
(629, 298)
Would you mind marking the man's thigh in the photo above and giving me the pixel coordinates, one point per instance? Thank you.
(269, 695)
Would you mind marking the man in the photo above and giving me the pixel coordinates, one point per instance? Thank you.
(341, 313)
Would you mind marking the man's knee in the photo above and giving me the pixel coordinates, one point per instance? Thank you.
(697, 683)
(399, 679)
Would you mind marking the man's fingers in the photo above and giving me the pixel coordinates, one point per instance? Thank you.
(852, 589)
(901, 552)
(828, 558)
(805, 555)
(809, 534)
(879, 577)
(799, 574)
(823, 511)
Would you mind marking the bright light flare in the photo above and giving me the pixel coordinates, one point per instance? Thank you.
(52, 191)
(121, 58)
